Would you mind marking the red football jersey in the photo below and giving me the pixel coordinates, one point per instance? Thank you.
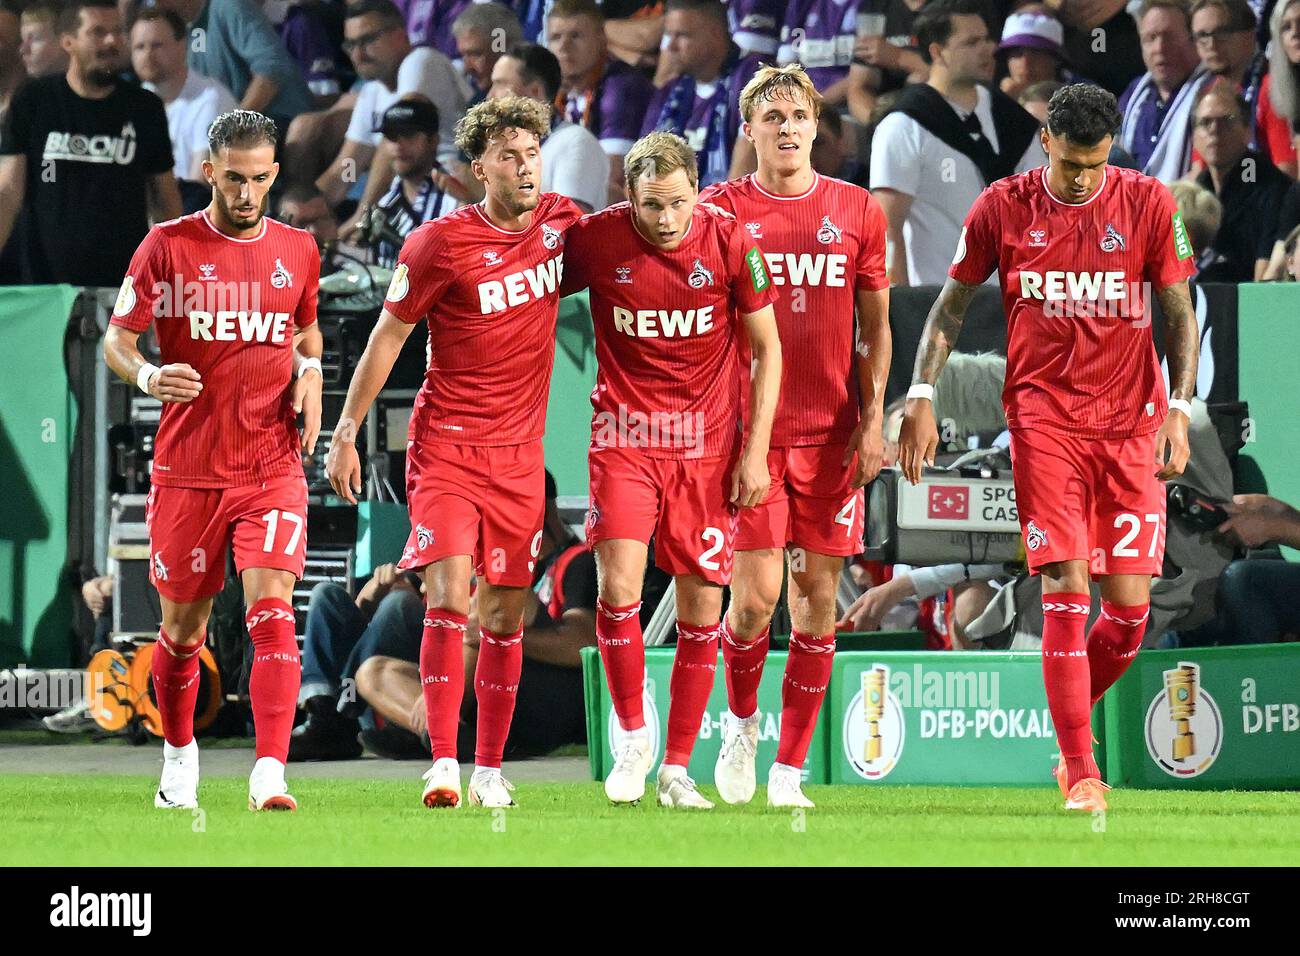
(1080, 356)
(823, 245)
(491, 298)
(668, 374)
(229, 308)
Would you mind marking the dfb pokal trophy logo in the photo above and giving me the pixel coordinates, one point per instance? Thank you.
(1184, 729)
(873, 726)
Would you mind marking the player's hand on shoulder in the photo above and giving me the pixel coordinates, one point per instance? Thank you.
(918, 440)
(1172, 450)
(177, 383)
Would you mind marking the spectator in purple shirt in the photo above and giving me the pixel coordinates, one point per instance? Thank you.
(820, 34)
(756, 25)
(605, 95)
(702, 104)
(312, 32)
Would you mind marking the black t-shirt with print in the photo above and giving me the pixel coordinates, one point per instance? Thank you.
(88, 167)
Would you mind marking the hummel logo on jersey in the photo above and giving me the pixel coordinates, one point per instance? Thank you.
(1036, 238)
(1112, 240)
(491, 258)
(517, 288)
(829, 232)
(423, 536)
(281, 277)
(1035, 537)
(699, 276)
(159, 569)
(624, 275)
(755, 229)
(208, 270)
(550, 236)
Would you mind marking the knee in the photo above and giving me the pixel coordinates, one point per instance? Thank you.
(325, 595)
(448, 594)
(369, 676)
(619, 587)
(817, 591)
(751, 609)
(185, 629)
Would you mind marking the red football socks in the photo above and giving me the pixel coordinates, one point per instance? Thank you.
(622, 650)
(496, 684)
(695, 663)
(807, 675)
(1065, 675)
(276, 675)
(175, 673)
(744, 663)
(1113, 642)
(442, 677)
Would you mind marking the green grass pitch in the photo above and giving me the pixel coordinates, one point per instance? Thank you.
(110, 820)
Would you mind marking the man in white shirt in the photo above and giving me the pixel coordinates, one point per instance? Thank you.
(573, 162)
(376, 41)
(946, 140)
(192, 101)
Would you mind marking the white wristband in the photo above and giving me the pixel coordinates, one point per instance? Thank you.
(921, 390)
(143, 377)
(304, 363)
(1182, 404)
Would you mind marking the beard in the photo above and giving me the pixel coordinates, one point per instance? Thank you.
(101, 76)
(229, 214)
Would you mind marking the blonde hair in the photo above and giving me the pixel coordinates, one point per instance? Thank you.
(658, 155)
(779, 83)
(487, 120)
(1201, 209)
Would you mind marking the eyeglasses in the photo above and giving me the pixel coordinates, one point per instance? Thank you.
(351, 46)
(1206, 37)
(1208, 123)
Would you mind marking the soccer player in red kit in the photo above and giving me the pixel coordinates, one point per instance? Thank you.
(1080, 247)
(487, 280)
(824, 241)
(231, 294)
(673, 283)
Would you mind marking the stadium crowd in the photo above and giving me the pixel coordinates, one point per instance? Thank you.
(928, 103)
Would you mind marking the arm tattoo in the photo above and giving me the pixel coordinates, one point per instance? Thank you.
(1182, 339)
(942, 327)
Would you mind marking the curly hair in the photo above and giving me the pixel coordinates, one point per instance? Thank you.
(1082, 113)
(489, 119)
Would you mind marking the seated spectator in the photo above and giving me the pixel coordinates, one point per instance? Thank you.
(303, 206)
(559, 620)
(41, 50)
(1278, 112)
(482, 32)
(702, 104)
(1157, 106)
(1224, 31)
(97, 595)
(1035, 98)
(821, 36)
(1032, 50)
(311, 31)
(242, 52)
(831, 156)
(391, 68)
(1250, 188)
(1202, 214)
(1288, 218)
(635, 29)
(158, 45)
(755, 26)
(114, 187)
(12, 70)
(573, 164)
(1256, 598)
(342, 634)
(1101, 40)
(421, 189)
(604, 95)
(945, 140)
(885, 57)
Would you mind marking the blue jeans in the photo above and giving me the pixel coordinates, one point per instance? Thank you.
(339, 639)
(1256, 605)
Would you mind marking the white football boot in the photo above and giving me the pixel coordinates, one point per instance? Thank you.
(179, 787)
(734, 773)
(266, 787)
(488, 788)
(784, 788)
(677, 789)
(442, 783)
(632, 761)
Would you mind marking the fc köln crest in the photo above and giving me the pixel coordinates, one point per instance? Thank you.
(700, 276)
(281, 276)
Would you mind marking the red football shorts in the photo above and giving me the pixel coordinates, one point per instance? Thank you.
(190, 529)
(809, 505)
(487, 502)
(684, 504)
(1092, 499)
